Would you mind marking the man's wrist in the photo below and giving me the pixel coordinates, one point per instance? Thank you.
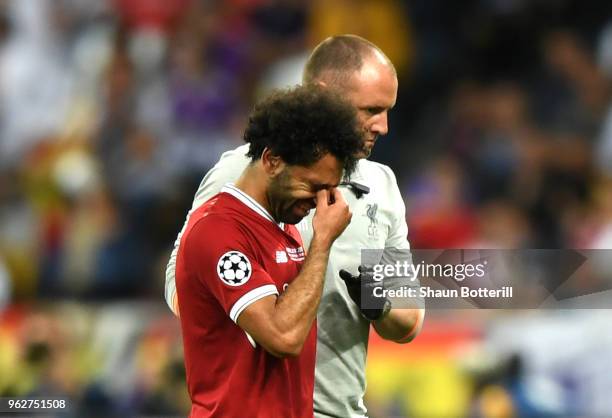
(321, 241)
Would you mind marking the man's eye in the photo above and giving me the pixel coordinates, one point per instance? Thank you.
(374, 110)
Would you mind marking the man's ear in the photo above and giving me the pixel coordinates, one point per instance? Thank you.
(273, 164)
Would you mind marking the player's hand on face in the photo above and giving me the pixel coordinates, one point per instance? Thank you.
(332, 215)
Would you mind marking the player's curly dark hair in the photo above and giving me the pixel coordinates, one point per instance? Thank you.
(302, 124)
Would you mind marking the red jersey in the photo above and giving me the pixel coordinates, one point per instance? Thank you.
(232, 254)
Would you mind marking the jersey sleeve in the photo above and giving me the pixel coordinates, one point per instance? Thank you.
(227, 170)
(218, 255)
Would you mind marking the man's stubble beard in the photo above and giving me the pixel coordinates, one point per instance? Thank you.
(276, 195)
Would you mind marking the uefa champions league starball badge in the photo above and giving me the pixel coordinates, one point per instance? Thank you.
(234, 268)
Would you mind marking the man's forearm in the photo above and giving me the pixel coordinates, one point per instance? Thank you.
(400, 325)
(297, 306)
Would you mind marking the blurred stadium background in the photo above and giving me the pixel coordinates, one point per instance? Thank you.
(112, 110)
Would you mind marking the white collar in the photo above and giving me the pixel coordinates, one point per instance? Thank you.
(358, 175)
(251, 203)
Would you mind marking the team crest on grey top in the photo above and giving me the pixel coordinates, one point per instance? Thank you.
(371, 212)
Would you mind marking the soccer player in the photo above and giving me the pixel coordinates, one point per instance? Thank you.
(362, 73)
(248, 294)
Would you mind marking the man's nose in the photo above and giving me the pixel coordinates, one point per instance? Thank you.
(380, 125)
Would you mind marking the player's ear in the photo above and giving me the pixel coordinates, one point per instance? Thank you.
(272, 164)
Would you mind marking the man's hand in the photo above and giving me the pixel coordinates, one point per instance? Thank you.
(332, 216)
(377, 307)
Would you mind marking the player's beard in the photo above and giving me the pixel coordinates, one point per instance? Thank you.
(367, 147)
(284, 207)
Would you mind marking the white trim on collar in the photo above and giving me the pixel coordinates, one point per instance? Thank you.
(251, 203)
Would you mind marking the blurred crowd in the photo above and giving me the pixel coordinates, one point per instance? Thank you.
(511, 141)
(113, 360)
(111, 111)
